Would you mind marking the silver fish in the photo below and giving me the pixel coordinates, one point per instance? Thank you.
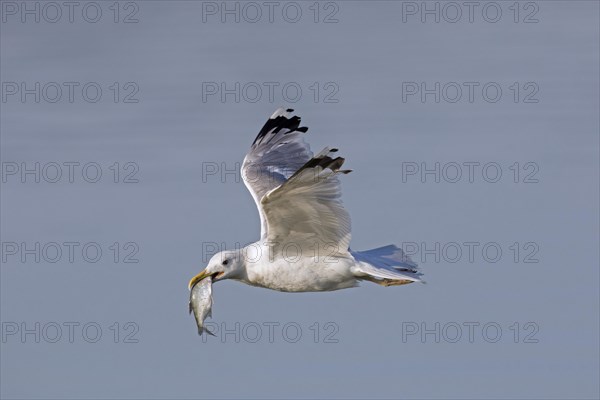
(201, 303)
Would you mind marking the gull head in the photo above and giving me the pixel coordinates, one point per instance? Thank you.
(226, 264)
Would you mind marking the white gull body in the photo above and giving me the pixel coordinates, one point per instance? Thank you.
(305, 230)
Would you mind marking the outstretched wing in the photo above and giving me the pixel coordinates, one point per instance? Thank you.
(306, 209)
(278, 151)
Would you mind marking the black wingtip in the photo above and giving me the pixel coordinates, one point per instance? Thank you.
(324, 161)
(335, 164)
(275, 125)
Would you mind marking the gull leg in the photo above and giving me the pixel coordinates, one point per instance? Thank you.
(396, 282)
(387, 282)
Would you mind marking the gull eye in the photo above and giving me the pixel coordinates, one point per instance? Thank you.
(225, 262)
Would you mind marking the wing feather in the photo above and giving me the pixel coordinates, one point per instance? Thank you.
(307, 208)
(277, 152)
(298, 196)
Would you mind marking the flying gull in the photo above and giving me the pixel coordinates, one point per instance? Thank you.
(305, 230)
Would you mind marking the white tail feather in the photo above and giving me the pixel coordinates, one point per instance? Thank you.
(388, 262)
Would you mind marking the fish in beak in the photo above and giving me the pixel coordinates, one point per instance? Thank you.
(201, 300)
(198, 278)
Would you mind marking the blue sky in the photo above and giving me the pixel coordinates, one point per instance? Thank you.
(427, 115)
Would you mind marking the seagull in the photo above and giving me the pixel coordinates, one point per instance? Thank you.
(305, 230)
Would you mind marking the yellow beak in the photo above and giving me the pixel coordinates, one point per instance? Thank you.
(197, 279)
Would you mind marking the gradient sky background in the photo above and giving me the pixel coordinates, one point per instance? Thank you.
(171, 134)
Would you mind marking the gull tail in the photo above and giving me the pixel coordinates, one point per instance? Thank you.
(387, 266)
